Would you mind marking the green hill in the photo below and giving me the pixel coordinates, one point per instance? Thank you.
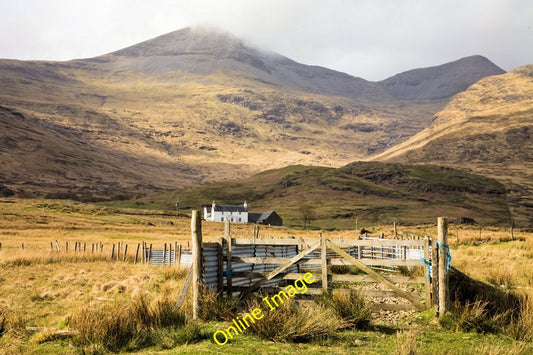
(372, 192)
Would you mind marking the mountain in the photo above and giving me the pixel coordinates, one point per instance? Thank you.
(189, 107)
(487, 129)
(441, 81)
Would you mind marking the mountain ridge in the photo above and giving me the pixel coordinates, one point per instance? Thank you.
(195, 117)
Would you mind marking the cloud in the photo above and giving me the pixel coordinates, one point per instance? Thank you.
(372, 39)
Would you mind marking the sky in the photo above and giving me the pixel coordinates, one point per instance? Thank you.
(372, 39)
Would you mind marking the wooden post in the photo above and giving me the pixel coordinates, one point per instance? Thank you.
(324, 258)
(125, 252)
(165, 255)
(395, 231)
(66, 246)
(196, 234)
(442, 225)
(428, 275)
(84, 246)
(51, 246)
(227, 236)
(170, 254)
(178, 257)
(434, 272)
(57, 245)
(22, 246)
(113, 252)
(220, 265)
(118, 251)
(150, 254)
(137, 253)
(75, 246)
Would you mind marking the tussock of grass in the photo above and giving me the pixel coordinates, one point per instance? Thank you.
(12, 323)
(291, 322)
(213, 307)
(405, 343)
(521, 327)
(350, 307)
(473, 317)
(117, 325)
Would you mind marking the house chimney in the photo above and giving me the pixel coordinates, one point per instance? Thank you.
(245, 206)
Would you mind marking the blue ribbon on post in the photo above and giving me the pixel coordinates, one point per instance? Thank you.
(427, 263)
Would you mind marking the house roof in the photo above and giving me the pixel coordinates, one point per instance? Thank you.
(259, 217)
(226, 208)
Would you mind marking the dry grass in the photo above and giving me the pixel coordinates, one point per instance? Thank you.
(42, 289)
(405, 343)
(521, 327)
(116, 325)
(350, 307)
(291, 322)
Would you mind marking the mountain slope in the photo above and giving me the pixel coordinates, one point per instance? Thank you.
(185, 108)
(371, 192)
(488, 129)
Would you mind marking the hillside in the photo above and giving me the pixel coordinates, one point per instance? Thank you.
(487, 129)
(372, 193)
(189, 107)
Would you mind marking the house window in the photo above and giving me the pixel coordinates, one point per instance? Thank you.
(222, 219)
(240, 219)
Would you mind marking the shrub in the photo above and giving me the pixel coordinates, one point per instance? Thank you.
(291, 322)
(351, 307)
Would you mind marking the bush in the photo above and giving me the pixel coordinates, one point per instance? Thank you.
(351, 307)
(291, 322)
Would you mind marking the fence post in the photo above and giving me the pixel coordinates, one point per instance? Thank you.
(125, 252)
(429, 301)
(137, 253)
(395, 231)
(324, 257)
(442, 225)
(220, 265)
(165, 255)
(196, 234)
(112, 251)
(434, 272)
(178, 257)
(57, 245)
(227, 236)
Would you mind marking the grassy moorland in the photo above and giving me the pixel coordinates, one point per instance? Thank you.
(83, 303)
(362, 193)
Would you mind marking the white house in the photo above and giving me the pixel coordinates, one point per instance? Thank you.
(221, 213)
